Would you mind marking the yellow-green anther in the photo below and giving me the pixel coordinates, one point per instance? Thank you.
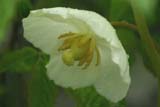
(78, 47)
(68, 57)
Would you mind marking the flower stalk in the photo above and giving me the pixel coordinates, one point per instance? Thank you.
(148, 44)
(124, 24)
(147, 41)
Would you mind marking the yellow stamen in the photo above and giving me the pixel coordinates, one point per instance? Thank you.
(70, 34)
(78, 47)
(90, 53)
(67, 43)
(98, 56)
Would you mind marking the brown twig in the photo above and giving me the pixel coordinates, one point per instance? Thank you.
(124, 24)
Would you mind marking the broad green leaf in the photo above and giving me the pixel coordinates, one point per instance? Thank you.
(130, 42)
(30, 63)
(7, 10)
(41, 91)
(120, 10)
(147, 6)
(88, 97)
(23, 8)
(18, 61)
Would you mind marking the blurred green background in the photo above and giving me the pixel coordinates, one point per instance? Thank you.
(20, 88)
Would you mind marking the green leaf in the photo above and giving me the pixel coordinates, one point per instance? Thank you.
(23, 8)
(41, 91)
(117, 12)
(88, 97)
(147, 6)
(130, 42)
(18, 61)
(7, 9)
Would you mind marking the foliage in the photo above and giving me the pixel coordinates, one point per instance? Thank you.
(29, 64)
(7, 10)
(88, 97)
(41, 91)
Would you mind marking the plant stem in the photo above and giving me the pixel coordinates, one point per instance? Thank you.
(124, 24)
(147, 42)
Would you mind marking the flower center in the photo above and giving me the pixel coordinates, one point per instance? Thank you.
(79, 47)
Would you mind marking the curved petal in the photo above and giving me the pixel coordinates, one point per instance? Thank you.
(86, 18)
(74, 76)
(43, 33)
(114, 81)
(59, 20)
(120, 58)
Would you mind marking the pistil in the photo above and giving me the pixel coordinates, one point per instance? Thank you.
(79, 47)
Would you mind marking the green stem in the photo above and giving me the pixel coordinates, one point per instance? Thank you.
(148, 44)
(147, 41)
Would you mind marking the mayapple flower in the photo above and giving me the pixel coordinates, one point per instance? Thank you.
(84, 50)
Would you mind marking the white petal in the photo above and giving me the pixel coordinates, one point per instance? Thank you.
(55, 21)
(73, 76)
(120, 58)
(43, 33)
(95, 22)
(114, 81)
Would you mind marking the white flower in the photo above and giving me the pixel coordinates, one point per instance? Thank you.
(84, 50)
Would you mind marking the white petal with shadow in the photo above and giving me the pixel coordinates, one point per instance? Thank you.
(113, 83)
(73, 76)
(43, 33)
